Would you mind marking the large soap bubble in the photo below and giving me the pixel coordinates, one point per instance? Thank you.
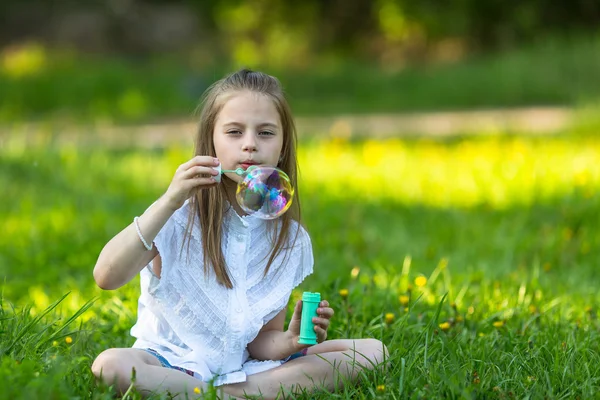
(265, 192)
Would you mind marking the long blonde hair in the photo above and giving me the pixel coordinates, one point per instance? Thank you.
(208, 205)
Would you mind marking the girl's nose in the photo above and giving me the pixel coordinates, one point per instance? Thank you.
(249, 144)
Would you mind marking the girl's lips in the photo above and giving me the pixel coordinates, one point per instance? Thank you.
(247, 165)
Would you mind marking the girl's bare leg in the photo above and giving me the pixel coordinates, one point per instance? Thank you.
(114, 366)
(337, 362)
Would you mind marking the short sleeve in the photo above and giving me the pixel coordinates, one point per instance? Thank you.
(167, 243)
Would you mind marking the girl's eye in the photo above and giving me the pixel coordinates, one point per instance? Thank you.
(234, 132)
(267, 133)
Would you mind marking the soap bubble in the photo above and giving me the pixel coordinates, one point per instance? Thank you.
(265, 192)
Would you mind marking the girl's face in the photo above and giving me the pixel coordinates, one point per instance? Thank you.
(247, 132)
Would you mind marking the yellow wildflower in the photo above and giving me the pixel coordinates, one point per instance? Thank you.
(404, 299)
(380, 388)
(389, 318)
(532, 309)
(54, 343)
(547, 267)
(498, 324)
(196, 390)
(445, 326)
(69, 340)
(344, 293)
(354, 273)
(420, 281)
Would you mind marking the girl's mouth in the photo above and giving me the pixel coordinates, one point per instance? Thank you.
(247, 165)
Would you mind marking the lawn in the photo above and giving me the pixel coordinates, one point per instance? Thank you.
(37, 83)
(473, 259)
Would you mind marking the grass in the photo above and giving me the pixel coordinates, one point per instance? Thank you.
(38, 84)
(474, 260)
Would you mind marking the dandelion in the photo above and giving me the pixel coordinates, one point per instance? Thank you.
(547, 267)
(498, 324)
(381, 388)
(445, 326)
(344, 293)
(404, 299)
(420, 281)
(532, 309)
(354, 273)
(197, 390)
(389, 318)
(69, 339)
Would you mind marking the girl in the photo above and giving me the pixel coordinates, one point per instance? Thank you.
(215, 282)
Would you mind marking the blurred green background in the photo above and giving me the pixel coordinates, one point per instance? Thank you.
(450, 165)
(145, 60)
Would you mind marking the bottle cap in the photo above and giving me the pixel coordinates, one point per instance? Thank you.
(217, 178)
(313, 297)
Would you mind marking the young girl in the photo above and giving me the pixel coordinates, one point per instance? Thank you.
(215, 283)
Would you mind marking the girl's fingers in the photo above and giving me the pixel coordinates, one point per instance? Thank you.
(195, 182)
(199, 160)
(322, 322)
(325, 312)
(194, 171)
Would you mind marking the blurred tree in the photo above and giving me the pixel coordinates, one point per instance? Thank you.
(289, 32)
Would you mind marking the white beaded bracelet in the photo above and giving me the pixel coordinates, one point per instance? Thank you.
(137, 228)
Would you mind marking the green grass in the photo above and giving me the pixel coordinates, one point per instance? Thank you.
(504, 231)
(36, 84)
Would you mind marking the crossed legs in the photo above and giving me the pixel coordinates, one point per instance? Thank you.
(327, 365)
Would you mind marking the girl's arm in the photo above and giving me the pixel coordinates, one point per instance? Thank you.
(272, 343)
(125, 255)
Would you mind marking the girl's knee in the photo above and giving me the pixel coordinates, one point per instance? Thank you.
(372, 349)
(113, 368)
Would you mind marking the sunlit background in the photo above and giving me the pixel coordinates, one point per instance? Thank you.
(444, 151)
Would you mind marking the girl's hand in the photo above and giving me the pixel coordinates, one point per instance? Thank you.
(195, 174)
(321, 322)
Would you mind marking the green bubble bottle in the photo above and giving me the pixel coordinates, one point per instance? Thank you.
(310, 303)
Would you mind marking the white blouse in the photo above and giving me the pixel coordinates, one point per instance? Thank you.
(197, 324)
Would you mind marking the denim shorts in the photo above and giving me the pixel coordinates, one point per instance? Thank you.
(166, 364)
